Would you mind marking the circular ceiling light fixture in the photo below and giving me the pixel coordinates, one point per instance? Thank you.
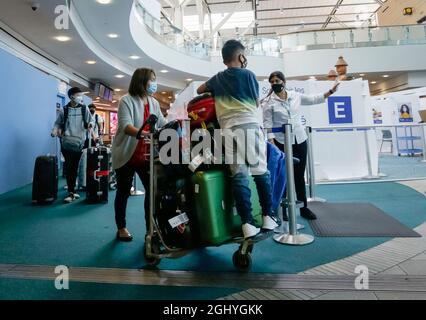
(104, 1)
(63, 38)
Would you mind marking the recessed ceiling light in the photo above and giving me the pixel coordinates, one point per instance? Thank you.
(164, 71)
(189, 80)
(373, 82)
(63, 38)
(386, 76)
(117, 90)
(164, 92)
(119, 76)
(134, 57)
(104, 1)
(113, 36)
(170, 97)
(114, 101)
(91, 62)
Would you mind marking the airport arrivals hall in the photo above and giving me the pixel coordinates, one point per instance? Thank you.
(212, 150)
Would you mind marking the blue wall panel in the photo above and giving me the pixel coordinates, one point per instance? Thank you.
(27, 113)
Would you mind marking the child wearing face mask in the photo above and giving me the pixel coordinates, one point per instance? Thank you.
(236, 92)
(72, 125)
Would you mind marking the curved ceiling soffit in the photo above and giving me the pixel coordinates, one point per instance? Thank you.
(161, 53)
(106, 55)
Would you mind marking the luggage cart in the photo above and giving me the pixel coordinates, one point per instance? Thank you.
(155, 247)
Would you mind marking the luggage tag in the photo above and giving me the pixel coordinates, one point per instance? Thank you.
(181, 219)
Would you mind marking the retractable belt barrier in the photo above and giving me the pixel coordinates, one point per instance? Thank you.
(292, 236)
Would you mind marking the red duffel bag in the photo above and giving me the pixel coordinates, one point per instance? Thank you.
(202, 111)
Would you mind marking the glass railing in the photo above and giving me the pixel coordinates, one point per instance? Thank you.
(184, 42)
(172, 36)
(255, 46)
(352, 38)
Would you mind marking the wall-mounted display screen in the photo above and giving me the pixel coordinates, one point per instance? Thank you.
(103, 91)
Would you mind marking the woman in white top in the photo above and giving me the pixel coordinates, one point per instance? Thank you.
(281, 107)
(129, 148)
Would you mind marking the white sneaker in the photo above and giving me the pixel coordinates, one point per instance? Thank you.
(76, 196)
(69, 199)
(250, 231)
(269, 223)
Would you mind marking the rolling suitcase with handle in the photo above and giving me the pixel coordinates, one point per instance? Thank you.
(45, 180)
(97, 177)
(215, 217)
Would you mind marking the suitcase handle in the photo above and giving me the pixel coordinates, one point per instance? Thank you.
(100, 173)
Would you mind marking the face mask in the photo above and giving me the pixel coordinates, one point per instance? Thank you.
(244, 62)
(78, 99)
(152, 88)
(278, 88)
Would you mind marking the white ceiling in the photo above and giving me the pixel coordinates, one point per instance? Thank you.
(38, 28)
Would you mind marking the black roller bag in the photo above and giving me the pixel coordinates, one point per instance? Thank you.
(173, 213)
(98, 172)
(45, 180)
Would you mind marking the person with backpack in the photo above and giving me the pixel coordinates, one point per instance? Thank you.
(96, 136)
(71, 125)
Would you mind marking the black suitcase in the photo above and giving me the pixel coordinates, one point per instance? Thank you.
(45, 180)
(173, 212)
(98, 171)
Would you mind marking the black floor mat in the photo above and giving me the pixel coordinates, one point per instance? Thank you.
(356, 220)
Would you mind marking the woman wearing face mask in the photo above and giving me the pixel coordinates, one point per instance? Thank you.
(281, 107)
(129, 146)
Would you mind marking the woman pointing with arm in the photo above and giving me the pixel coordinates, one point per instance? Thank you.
(281, 107)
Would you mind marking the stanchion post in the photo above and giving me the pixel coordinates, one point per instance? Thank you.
(367, 147)
(311, 169)
(423, 128)
(293, 237)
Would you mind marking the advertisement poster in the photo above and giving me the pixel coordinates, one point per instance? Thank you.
(113, 123)
(405, 112)
(377, 116)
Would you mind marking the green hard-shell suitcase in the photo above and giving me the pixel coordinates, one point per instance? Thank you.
(215, 216)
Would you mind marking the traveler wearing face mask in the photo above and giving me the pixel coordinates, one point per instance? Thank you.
(236, 92)
(99, 123)
(72, 125)
(281, 107)
(129, 146)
